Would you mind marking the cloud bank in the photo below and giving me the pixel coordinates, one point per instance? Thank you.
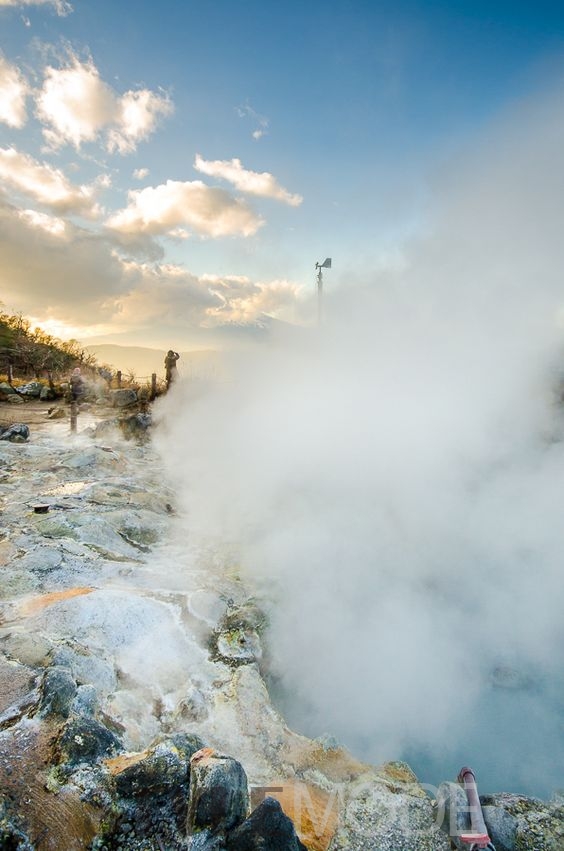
(392, 483)
(52, 269)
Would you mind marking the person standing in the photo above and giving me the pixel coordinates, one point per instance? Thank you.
(171, 372)
(77, 385)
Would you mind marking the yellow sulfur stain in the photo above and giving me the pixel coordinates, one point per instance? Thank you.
(313, 811)
(117, 764)
(35, 604)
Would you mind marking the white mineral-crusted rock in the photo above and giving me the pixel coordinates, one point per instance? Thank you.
(107, 588)
(386, 815)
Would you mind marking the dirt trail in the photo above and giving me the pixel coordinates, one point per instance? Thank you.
(36, 414)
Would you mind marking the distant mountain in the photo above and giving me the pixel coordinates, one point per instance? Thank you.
(144, 361)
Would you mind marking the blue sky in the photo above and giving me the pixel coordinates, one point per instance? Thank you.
(320, 129)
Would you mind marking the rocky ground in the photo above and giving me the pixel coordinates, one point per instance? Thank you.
(133, 709)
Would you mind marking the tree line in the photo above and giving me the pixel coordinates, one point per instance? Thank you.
(27, 352)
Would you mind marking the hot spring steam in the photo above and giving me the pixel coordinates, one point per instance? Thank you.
(393, 483)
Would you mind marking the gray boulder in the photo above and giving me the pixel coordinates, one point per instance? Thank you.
(502, 827)
(47, 394)
(267, 827)
(123, 398)
(58, 691)
(16, 433)
(84, 739)
(218, 798)
(520, 823)
(32, 390)
(57, 413)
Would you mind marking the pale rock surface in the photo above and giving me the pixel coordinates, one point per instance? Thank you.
(161, 639)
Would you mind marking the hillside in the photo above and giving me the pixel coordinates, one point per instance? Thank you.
(144, 361)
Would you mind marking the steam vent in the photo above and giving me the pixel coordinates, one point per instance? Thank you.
(134, 710)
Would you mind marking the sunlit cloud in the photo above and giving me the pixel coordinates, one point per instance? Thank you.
(55, 271)
(252, 182)
(61, 7)
(67, 331)
(141, 173)
(45, 184)
(14, 90)
(203, 209)
(243, 300)
(51, 224)
(186, 301)
(77, 106)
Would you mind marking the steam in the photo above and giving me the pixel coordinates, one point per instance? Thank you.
(392, 482)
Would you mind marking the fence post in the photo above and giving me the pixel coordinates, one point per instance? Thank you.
(118, 377)
(153, 386)
(73, 416)
(10, 374)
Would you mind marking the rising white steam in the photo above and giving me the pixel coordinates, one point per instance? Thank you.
(394, 482)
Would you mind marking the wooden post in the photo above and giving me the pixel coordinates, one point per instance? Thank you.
(118, 378)
(73, 416)
(153, 386)
(10, 374)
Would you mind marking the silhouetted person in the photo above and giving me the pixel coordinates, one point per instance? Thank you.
(77, 385)
(171, 372)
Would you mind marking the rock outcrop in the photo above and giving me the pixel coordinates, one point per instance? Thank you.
(514, 822)
(124, 651)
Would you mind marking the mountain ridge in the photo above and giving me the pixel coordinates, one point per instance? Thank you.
(144, 360)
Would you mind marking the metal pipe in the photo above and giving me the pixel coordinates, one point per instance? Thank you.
(478, 837)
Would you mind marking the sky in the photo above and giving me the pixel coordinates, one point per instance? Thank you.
(171, 173)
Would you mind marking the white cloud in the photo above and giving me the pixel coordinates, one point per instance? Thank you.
(252, 182)
(13, 92)
(141, 173)
(61, 7)
(246, 111)
(78, 106)
(203, 209)
(139, 113)
(45, 184)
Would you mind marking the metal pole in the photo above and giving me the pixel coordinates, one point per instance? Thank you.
(319, 294)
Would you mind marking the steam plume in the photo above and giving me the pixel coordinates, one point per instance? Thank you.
(393, 481)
